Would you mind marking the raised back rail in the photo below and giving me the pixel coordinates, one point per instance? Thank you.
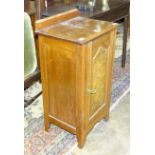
(56, 19)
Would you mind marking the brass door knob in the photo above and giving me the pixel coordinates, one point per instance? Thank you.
(91, 91)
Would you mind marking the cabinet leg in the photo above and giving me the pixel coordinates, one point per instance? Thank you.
(106, 117)
(81, 140)
(125, 33)
(46, 124)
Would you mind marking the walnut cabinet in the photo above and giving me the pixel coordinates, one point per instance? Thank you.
(76, 56)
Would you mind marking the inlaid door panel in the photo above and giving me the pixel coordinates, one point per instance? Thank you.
(98, 68)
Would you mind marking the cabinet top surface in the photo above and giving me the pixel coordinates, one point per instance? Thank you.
(79, 29)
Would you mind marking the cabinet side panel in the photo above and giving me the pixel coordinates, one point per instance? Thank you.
(61, 71)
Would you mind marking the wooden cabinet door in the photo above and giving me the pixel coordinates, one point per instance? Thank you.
(97, 74)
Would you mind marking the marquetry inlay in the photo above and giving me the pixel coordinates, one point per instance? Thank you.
(98, 76)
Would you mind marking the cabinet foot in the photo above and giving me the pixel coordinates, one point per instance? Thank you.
(46, 125)
(81, 141)
(106, 117)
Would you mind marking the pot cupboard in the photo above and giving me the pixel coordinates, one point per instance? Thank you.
(76, 56)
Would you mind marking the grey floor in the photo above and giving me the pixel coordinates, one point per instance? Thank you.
(112, 137)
